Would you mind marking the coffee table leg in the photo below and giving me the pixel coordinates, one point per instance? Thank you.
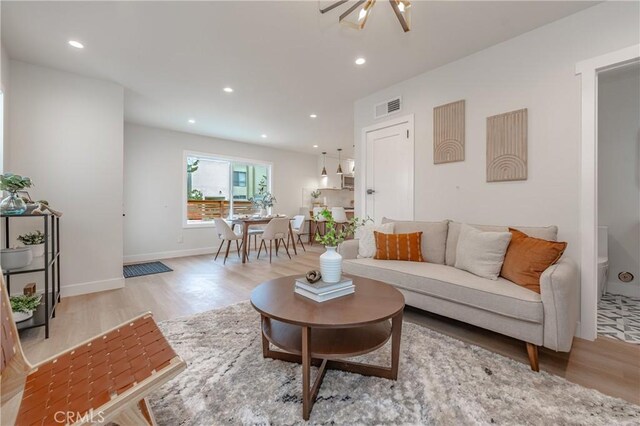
(306, 372)
(396, 334)
(265, 342)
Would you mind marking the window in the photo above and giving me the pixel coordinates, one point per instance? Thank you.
(239, 179)
(222, 187)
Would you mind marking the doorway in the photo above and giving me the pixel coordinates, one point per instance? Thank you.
(389, 170)
(588, 70)
(619, 203)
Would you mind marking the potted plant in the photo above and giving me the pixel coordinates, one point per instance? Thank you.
(331, 260)
(23, 306)
(34, 240)
(315, 195)
(13, 204)
(263, 198)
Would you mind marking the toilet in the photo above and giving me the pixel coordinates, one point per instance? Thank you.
(603, 259)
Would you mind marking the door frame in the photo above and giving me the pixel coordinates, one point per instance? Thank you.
(588, 70)
(361, 154)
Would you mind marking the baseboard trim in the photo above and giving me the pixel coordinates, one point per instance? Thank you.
(168, 254)
(629, 290)
(91, 287)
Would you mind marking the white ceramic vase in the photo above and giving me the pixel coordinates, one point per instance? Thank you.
(37, 249)
(331, 265)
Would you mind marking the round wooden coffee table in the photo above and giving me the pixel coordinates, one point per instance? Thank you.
(323, 334)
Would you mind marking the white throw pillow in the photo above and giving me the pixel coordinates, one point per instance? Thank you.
(481, 253)
(366, 239)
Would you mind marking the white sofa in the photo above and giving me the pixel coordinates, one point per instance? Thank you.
(547, 319)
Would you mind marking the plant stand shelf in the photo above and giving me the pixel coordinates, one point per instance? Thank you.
(48, 265)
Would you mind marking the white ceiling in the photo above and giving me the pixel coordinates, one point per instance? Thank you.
(284, 59)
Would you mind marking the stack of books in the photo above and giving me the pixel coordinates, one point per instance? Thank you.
(321, 291)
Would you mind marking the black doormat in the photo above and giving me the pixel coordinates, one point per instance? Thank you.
(141, 269)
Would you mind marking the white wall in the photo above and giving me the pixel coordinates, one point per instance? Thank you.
(536, 71)
(154, 193)
(4, 87)
(67, 135)
(619, 174)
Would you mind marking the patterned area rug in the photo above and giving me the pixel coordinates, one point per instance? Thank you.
(619, 317)
(442, 381)
(141, 269)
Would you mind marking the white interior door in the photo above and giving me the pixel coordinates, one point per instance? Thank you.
(389, 172)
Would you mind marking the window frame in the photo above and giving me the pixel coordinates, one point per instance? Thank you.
(231, 159)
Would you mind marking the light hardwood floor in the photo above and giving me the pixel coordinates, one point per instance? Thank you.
(198, 284)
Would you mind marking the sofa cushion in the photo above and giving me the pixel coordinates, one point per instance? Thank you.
(481, 252)
(549, 233)
(445, 282)
(527, 258)
(398, 246)
(366, 239)
(434, 237)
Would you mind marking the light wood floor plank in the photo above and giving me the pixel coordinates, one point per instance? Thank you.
(198, 284)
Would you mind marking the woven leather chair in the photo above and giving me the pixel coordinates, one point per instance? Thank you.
(104, 379)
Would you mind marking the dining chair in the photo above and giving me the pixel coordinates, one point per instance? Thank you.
(275, 231)
(339, 216)
(226, 234)
(317, 220)
(297, 226)
(254, 231)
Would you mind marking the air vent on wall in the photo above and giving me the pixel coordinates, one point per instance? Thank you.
(388, 107)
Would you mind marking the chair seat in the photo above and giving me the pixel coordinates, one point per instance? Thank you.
(94, 373)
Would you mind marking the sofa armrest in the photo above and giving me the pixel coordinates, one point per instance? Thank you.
(559, 289)
(349, 249)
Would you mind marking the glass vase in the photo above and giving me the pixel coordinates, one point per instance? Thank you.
(13, 205)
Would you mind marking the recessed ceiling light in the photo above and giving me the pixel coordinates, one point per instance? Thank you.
(360, 61)
(192, 121)
(312, 115)
(228, 89)
(76, 44)
(315, 146)
(263, 136)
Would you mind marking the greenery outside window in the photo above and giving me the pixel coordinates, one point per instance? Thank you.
(218, 186)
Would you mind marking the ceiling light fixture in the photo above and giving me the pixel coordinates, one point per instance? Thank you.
(315, 146)
(76, 44)
(313, 116)
(228, 89)
(263, 136)
(360, 61)
(402, 9)
(339, 171)
(192, 121)
(324, 164)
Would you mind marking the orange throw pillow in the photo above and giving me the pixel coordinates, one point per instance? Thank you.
(528, 257)
(398, 246)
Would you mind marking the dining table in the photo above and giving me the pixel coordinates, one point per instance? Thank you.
(246, 222)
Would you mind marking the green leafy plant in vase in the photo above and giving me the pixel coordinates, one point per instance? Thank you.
(35, 240)
(315, 195)
(23, 306)
(334, 234)
(13, 205)
(263, 199)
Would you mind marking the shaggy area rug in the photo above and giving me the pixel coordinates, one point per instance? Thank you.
(442, 381)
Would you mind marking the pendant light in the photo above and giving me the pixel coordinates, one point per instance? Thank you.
(324, 168)
(339, 162)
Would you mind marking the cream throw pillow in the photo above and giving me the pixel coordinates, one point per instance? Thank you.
(481, 253)
(366, 239)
